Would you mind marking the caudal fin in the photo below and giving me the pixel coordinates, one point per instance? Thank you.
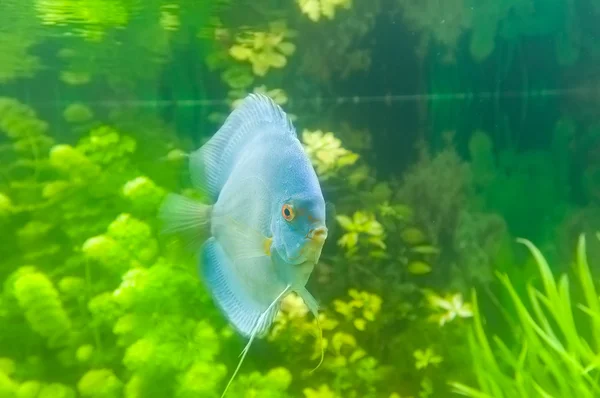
(186, 217)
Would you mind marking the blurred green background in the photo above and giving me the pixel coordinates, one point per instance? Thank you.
(442, 130)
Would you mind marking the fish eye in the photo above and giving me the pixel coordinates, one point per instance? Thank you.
(287, 211)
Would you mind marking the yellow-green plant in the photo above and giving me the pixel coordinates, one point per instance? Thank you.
(20, 33)
(265, 50)
(488, 22)
(556, 338)
(326, 152)
(77, 113)
(350, 370)
(315, 9)
(448, 308)
(361, 226)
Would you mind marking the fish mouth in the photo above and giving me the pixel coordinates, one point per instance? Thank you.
(311, 247)
(314, 244)
(317, 235)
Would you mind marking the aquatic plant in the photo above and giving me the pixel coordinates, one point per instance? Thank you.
(77, 113)
(94, 303)
(326, 152)
(444, 23)
(330, 51)
(265, 50)
(20, 34)
(466, 234)
(451, 306)
(315, 9)
(554, 352)
(351, 371)
(486, 23)
(499, 178)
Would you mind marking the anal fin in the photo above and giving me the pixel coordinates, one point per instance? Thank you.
(230, 293)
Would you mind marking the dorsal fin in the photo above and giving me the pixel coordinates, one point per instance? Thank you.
(211, 164)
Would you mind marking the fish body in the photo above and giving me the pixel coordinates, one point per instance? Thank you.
(266, 220)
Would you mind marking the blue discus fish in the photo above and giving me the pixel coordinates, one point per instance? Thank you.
(267, 219)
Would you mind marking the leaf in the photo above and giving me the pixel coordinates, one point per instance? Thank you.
(312, 8)
(237, 77)
(419, 268)
(360, 218)
(345, 222)
(425, 249)
(377, 242)
(275, 60)
(286, 48)
(403, 212)
(360, 324)
(347, 160)
(75, 78)
(240, 53)
(374, 228)
(340, 339)
(356, 355)
(349, 240)
(342, 308)
(259, 67)
(412, 236)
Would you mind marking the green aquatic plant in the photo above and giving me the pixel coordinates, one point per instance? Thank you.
(351, 371)
(315, 9)
(323, 391)
(451, 306)
(443, 23)
(486, 23)
(326, 152)
(272, 384)
(330, 50)
(95, 16)
(71, 305)
(94, 303)
(361, 226)
(426, 358)
(20, 33)
(383, 233)
(6, 207)
(77, 113)
(144, 195)
(128, 311)
(465, 234)
(265, 50)
(501, 177)
(27, 133)
(556, 330)
(44, 311)
(99, 383)
(363, 308)
(146, 34)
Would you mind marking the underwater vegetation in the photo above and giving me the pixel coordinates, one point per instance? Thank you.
(96, 303)
(441, 273)
(557, 333)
